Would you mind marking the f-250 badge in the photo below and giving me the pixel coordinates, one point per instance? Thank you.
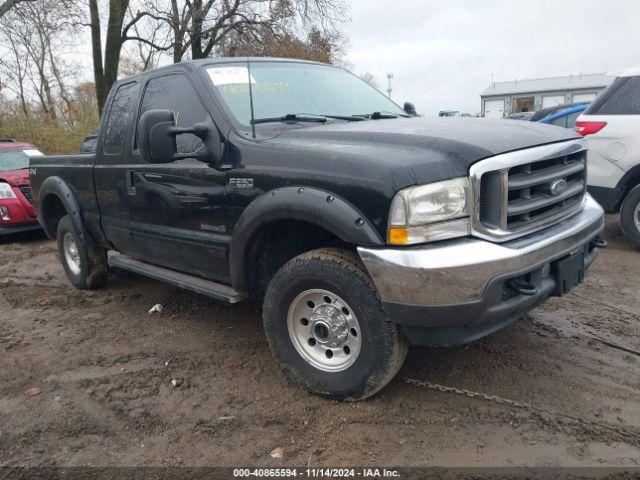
(240, 183)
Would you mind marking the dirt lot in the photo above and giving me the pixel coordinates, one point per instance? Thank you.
(104, 368)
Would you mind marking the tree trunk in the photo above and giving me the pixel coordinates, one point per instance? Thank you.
(23, 100)
(196, 30)
(51, 107)
(96, 48)
(113, 46)
(106, 74)
(20, 76)
(177, 32)
(63, 90)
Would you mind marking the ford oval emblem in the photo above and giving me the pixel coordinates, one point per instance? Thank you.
(558, 187)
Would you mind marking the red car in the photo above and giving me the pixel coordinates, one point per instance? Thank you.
(16, 204)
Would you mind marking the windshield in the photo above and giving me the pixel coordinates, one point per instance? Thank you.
(15, 159)
(280, 89)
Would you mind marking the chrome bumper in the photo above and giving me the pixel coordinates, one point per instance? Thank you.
(459, 271)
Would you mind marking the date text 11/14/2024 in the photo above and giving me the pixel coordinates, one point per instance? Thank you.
(315, 473)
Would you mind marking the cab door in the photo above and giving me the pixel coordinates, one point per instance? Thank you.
(111, 166)
(178, 209)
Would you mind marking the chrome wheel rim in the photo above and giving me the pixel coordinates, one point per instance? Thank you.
(324, 330)
(636, 217)
(71, 254)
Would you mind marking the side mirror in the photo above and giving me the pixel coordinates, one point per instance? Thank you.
(157, 133)
(410, 109)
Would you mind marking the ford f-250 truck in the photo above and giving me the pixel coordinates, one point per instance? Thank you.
(361, 227)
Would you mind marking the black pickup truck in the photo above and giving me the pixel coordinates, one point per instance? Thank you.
(361, 227)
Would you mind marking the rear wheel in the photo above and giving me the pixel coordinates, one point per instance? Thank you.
(327, 328)
(85, 266)
(630, 216)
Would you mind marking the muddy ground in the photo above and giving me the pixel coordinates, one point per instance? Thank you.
(104, 369)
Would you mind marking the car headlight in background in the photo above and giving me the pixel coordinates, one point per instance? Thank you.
(425, 213)
(6, 191)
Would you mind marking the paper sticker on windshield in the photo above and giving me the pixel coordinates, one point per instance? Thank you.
(33, 153)
(230, 76)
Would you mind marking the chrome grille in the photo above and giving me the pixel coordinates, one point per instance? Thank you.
(26, 191)
(521, 192)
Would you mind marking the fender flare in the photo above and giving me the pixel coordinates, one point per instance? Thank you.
(611, 198)
(629, 180)
(311, 205)
(57, 187)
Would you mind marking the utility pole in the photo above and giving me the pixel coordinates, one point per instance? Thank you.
(389, 89)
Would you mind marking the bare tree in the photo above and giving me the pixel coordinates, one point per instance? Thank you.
(13, 72)
(30, 31)
(9, 4)
(130, 36)
(263, 42)
(370, 79)
(195, 28)
(147, 53)
(122, 26)
(38, 43)
(106, 72)
(202, 28)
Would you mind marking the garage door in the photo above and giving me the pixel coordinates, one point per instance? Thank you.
(552, 100)
(494, 108)
(584, 97)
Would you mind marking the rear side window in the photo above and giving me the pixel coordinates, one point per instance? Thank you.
(622, 97)
(118, 123)
(559, 122)
(571, 119)
(175, 93)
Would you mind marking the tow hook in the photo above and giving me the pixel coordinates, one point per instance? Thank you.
(599, 242)
(523, 287)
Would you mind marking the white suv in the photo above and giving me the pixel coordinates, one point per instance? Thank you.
(611, 126)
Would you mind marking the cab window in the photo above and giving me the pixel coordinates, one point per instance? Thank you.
(119, 121)
(175, 93)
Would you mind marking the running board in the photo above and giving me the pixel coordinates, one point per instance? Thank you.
(199, 285)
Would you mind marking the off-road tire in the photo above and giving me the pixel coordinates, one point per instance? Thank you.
(93, 260)
(383, 349)
(628, 214)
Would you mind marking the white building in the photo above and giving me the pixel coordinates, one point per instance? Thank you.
(504, 98)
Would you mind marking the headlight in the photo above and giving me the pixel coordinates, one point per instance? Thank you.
(435, 211)
(6, 191)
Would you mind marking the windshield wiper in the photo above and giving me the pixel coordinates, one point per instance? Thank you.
(382, 115)
(348, 118)
(291, 117)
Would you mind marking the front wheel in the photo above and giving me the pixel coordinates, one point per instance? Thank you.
(85, 266)
(327, 328)
(630, 216)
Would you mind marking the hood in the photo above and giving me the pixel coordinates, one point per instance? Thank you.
(424, 149)
(15, 178)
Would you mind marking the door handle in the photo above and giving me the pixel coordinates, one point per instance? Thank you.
(129, 180)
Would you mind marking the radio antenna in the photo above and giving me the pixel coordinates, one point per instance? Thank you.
(253, 125)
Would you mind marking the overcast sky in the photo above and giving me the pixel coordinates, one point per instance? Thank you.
(442, 52)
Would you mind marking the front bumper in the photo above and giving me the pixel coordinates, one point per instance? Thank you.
(19, 228)
(17, 214)
(456, 291)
